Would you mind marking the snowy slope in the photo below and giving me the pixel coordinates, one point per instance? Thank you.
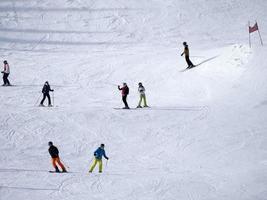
(203, 138)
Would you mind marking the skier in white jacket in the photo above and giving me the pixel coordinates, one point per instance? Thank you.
(141, 90)
(6, 73)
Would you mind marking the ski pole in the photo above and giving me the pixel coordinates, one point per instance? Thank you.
(53, 99)
(106, 164)
(90, 163)
(37, 100)
(65, 164)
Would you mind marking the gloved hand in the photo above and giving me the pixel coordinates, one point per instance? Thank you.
(107, 158)
(52, 90)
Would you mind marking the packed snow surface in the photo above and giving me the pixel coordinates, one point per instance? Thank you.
(204, 137)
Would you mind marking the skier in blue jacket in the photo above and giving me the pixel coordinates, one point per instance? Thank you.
(98, 158)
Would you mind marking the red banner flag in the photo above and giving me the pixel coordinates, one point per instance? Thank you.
(253, 28)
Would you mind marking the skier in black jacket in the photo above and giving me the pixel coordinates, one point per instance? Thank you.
(186, 53)
(46, 89)
(53, 151)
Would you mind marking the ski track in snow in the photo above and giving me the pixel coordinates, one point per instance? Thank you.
(202, 138)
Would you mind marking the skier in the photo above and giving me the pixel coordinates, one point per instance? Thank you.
(98, 158)
(124, 93)
(46, 89)
(53, 151)
(6, 74)
(186, 53)
(141, 90)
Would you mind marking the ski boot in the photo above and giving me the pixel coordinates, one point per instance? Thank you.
(57, 170)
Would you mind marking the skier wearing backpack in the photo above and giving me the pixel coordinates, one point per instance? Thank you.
(46, 89)
(6, 73)
(98, 158)
(186, 53)
(141, 90)
(124, 92)
(53, 151)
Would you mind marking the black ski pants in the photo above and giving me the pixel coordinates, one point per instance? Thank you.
(48, 96)
(5, 79)
(189, 63)
(124, 99)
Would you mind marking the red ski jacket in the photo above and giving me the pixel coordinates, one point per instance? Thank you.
(124, 90)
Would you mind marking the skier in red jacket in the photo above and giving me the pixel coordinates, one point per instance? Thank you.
(124, 92)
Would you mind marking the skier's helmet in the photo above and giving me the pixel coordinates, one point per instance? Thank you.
(140, 83)
(124, 84)
(102, 145)
(184, 43)
(5, 62)
(50, 143)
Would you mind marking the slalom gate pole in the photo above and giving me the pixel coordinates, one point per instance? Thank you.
(260, 35)
(249, 41)
(38, 100)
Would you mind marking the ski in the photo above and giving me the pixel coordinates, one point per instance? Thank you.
(123, 108)
(47, 106)
(58, 172)
(143, 108)
(188, 68)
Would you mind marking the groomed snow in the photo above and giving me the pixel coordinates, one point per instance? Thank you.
(203, 138)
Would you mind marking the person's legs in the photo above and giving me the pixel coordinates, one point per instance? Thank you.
(60, 164)
(49, 99)
(124, 99)
(100, 163)
(189, 63)
(4, 78)
(144, 97)
(7, 81)
(140, 101)
(93, 165)
(54, 160)
(44, 96)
